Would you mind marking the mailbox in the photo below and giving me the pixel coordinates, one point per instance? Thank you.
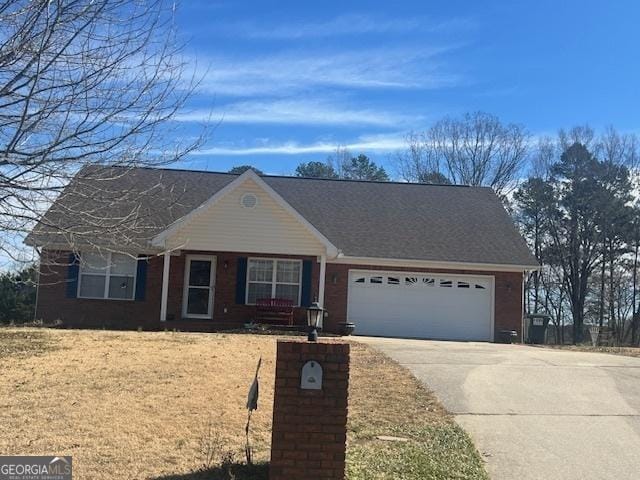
(311, 377)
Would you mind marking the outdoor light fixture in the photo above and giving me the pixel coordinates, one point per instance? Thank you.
(314, 317)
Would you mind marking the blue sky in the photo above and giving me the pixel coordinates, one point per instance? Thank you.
(287, 82)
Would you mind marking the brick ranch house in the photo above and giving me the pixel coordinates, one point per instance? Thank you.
(194, 250)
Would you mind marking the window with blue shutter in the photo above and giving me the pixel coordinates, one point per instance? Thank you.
(141, 278)
(73, 269)
(241, 281)
(307, 267)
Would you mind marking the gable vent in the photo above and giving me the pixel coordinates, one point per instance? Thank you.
(249, 200)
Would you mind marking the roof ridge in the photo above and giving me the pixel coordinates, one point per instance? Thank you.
(353, 180)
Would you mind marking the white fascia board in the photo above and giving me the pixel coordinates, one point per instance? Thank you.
(67, 247)
(395, 262)
(159, 240)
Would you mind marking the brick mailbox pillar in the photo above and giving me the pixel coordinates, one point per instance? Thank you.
(310, 410)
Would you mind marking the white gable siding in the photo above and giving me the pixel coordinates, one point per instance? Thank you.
(227, 226)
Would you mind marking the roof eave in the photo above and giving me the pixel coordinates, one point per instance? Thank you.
(417, 263)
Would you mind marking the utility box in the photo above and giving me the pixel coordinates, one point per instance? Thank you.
(537, 324)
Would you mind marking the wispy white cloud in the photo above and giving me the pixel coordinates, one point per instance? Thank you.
(285, 73)
(342, 25)
(299, 112)
(366, 143)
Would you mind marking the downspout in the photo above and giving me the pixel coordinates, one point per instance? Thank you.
(35, 308)
(522, 325)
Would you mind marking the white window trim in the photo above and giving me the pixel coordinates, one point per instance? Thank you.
(107, 281)
(186, 286)
(274, 275)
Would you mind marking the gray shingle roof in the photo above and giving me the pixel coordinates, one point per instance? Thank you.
(363, 219)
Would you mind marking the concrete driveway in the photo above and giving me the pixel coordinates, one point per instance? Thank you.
(535, 413)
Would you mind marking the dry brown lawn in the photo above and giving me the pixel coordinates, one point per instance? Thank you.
(626, 351)
(133, 405)
(138, 405)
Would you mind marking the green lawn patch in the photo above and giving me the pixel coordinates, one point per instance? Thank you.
(386, 400)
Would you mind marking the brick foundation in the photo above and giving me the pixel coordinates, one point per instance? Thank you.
(310, 426)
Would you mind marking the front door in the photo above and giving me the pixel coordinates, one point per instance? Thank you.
(199, 285)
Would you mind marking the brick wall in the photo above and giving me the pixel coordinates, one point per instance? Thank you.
(225, 309)
(53, 304)
(310, 426)
(126, 314)
(508, 293)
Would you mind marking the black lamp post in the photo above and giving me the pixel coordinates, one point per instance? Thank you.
(314, 316)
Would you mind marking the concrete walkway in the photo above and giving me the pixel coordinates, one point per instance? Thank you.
(535, 413)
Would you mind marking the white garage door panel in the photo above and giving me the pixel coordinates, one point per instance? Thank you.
(421, 305)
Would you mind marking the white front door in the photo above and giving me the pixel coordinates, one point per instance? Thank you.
(421, 305)
(199, 286)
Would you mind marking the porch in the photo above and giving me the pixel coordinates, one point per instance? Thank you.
(212, 290)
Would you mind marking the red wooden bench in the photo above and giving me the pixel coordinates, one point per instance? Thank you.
(274, 310)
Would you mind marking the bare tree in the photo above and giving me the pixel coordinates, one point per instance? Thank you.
(83, 83)
(618, 149)
(543, 157)
(582, 134)
(416, 161)
(476, 149)
(339, 160)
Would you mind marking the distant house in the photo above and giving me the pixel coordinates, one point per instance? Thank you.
(396, 259)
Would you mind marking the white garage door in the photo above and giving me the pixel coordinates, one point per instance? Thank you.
(396, 304)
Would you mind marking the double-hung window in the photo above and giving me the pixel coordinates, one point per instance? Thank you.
(109, 275)
(273, 278)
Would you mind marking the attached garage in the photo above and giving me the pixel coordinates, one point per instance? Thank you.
(421, 305)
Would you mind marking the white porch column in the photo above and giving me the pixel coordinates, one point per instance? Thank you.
(165, 287)
(323, 274)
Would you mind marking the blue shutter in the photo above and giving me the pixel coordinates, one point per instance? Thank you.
(241, 281)
(307, 267)
(141, 278)
(73, 269)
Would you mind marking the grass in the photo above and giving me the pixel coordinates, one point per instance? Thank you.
(386, 400)
(142, 404)
(18, 343)
(626, 351)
